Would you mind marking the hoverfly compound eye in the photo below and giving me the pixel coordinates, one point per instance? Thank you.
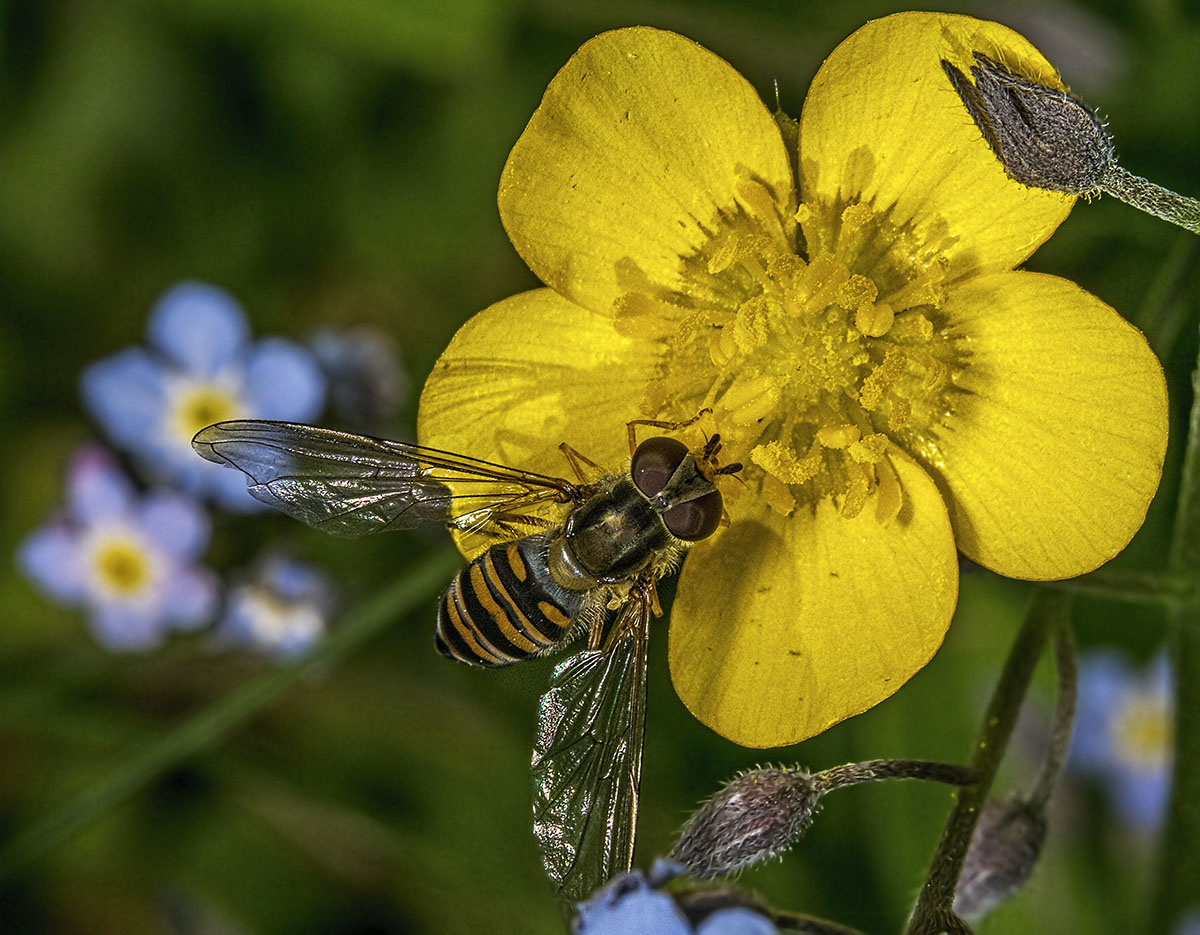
(696, 519)
(654, 461)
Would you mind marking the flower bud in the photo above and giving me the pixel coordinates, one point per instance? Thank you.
(758, 815)
(763, 812)
(1047, 138)
(1004, 849)
(1043, 136)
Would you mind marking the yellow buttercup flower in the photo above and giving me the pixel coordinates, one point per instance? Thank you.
(854, 322)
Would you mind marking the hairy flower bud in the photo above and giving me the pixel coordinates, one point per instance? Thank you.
(757, 816)
(1004, 849)
(1044, 137)
(763, 812)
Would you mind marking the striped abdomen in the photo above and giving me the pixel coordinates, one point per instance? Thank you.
(504, 606)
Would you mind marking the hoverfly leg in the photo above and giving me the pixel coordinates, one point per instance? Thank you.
(577, 460)
(596, 631)
(651, 592)
(631, 427)
(512, 521)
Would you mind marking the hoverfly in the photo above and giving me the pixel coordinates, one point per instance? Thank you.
(562, 555)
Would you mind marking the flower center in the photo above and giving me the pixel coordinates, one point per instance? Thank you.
(1141, 731)
(201, 404)
(121, 566)
(813, 367)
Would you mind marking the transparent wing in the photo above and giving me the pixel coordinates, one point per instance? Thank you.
(352, 485)
(587, 759)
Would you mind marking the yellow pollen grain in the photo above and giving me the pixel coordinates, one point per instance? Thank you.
(869, 449)
(759, 203)
(857, 490)
(838, 436)
(912, 325)
(889, 498)
(778, 495)
(749, 400)
(880, 380)
(725, 255)
(785, 267)
(780, 461)
(900, 414)
(856, 291)
(826, 273)
(751, 327)
(874, 320)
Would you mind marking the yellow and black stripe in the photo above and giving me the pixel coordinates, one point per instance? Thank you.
(504, 606)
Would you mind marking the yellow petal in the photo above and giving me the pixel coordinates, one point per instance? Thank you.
(531, 372)
(640, 142)
(784, 626)
(1055, 447)
(883, 124)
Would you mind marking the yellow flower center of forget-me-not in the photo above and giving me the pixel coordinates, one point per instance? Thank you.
(121, 567)
(1141, 730)
(813, 365)
(197, 405)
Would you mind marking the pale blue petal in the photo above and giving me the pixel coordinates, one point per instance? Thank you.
(627, 905)
(1188, 922)
(1141, 795)
(97, 491)
(51, 558)
(1159, 679)
(736, 921)
(175, 523)
(199, 327)
(292, 580)
(127, 395)
(1104, 680)
(228, 488)
(121, 628)
(284, 382)
(190, 596)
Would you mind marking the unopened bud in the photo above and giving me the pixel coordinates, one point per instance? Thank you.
(1004, 849)
(763, 812)
(757, 816)
(1043, 136)
(1046, 137)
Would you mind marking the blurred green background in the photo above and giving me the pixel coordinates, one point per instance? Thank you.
(336, 163)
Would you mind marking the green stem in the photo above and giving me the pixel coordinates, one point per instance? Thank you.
(1178, 863)
(213, 724)
(1137, 587)
(1064, 719)
(933, 912)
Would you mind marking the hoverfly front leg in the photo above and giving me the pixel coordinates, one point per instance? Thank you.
(577, 460)
(631, 427)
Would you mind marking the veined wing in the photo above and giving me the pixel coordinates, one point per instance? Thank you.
(587, 759)
(352, 485)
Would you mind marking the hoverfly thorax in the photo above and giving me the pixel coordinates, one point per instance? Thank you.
(667, 500)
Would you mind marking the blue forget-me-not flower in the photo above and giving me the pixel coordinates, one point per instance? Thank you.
(1123, 733)
(127, 559)
(200, 367)
(281, 610)
(633, 902)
